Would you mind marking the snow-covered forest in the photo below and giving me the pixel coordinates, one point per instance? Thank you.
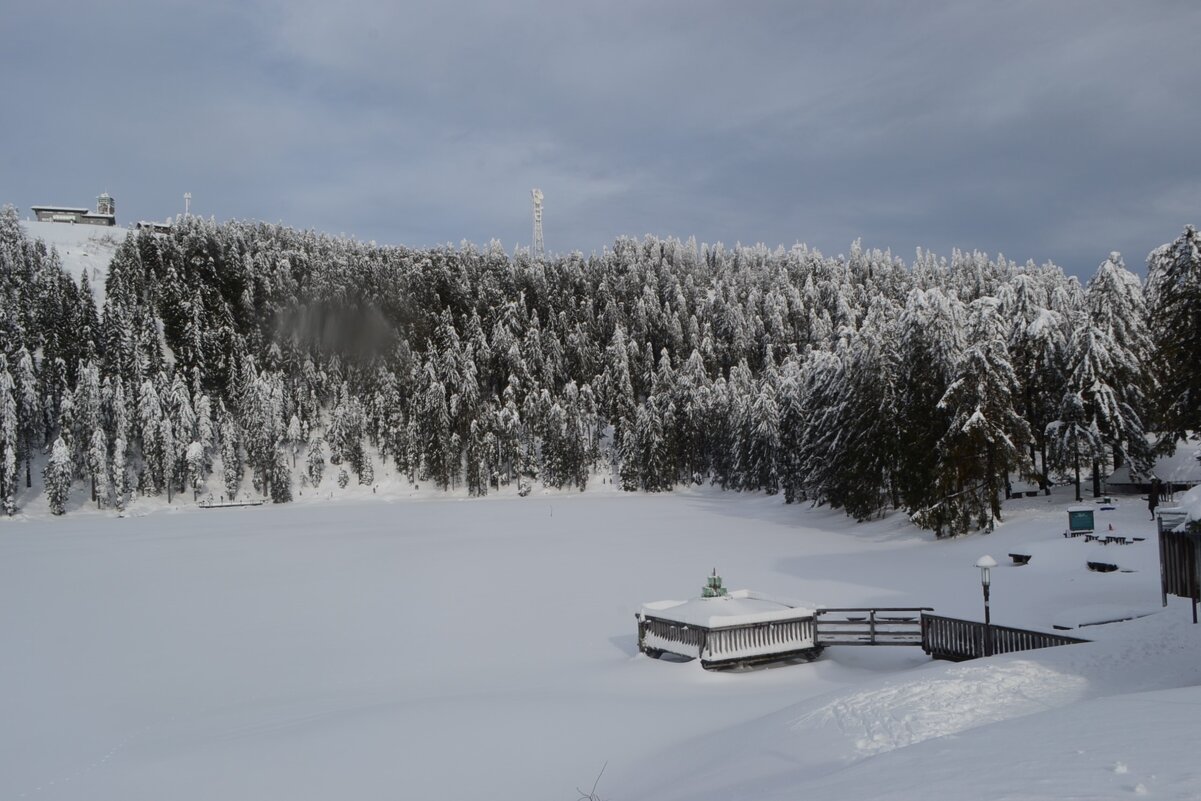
(232, 351)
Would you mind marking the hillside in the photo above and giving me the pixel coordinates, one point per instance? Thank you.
(859, 382)
(82, 248)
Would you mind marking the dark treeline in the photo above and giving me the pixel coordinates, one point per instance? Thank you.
(243, 350)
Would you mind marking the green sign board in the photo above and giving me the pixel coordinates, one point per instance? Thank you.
(1080, 520)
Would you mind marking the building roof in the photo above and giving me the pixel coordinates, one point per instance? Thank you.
(739, 608)
(72, 209)
(1181, 467)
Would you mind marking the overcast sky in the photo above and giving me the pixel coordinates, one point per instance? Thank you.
(1044, 130)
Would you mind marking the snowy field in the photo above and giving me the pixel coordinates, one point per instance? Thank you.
(457, 649)
(82, 248)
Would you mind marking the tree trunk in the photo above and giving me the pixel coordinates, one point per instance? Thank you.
(1096, 478)
(1077, 466)
(994, 502)
(1043, 475)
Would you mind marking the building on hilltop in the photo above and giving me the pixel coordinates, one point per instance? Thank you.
(105, 213)
(153, 226)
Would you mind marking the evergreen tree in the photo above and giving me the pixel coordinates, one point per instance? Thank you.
(195, 461)
(30, 424)
(231, 456)
(9, 429)
(1174, 301)
(1117, 310)
(97, 465)
(315, 462)
(57, 477)
(983, 442)
(1074, 438)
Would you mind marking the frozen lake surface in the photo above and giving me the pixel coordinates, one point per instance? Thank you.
(485, 649)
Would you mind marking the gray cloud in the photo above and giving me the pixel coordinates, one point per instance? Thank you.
(1047, 131)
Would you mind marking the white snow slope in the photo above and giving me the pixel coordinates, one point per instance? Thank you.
(81, 247)
(458, 649)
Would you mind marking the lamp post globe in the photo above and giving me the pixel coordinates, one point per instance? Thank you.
(986, 564)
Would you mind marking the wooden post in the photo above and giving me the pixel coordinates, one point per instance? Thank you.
(1163, 567)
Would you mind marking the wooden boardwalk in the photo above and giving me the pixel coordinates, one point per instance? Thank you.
(754, 643)
(956, 640)
(882, 625)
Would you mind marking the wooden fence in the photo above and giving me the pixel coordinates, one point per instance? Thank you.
(956, 640)
(1179, 558)
(881, 625)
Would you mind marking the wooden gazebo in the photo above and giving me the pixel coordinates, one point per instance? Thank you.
(728, 629)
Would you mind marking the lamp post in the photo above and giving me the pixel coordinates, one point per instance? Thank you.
(986, 563)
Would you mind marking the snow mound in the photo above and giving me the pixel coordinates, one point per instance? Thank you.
(900, 720)
(904, 712)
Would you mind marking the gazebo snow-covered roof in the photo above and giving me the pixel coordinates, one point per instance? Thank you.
(727, 628)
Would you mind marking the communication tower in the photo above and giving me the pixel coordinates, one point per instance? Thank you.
(539, 248)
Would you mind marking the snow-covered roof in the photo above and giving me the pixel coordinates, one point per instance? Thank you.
(739, 608)
(72, 209)
(1181, 467)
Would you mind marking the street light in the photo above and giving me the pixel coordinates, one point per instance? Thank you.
(986, 563)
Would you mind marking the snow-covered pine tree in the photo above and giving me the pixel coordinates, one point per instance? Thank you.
(231, 454)
(155, 456)
(867, 453)
(58, 476)
(25, 392)
(1073, 439)
(1116, 307)
(930, 344)
(280, 477)
(97, 465)
(120, 479)
(195, 460)
(294, 438)
(315, 461)
(1096, 369)
(86, 405)
(10, 425)
(1174, 303)
(759, 441)
(983, 443)
(119, 414)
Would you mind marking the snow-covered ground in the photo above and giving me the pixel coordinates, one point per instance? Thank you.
(81, 247)
(461, 649)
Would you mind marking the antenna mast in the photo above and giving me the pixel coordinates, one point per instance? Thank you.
(187, 203)
(539, 248)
